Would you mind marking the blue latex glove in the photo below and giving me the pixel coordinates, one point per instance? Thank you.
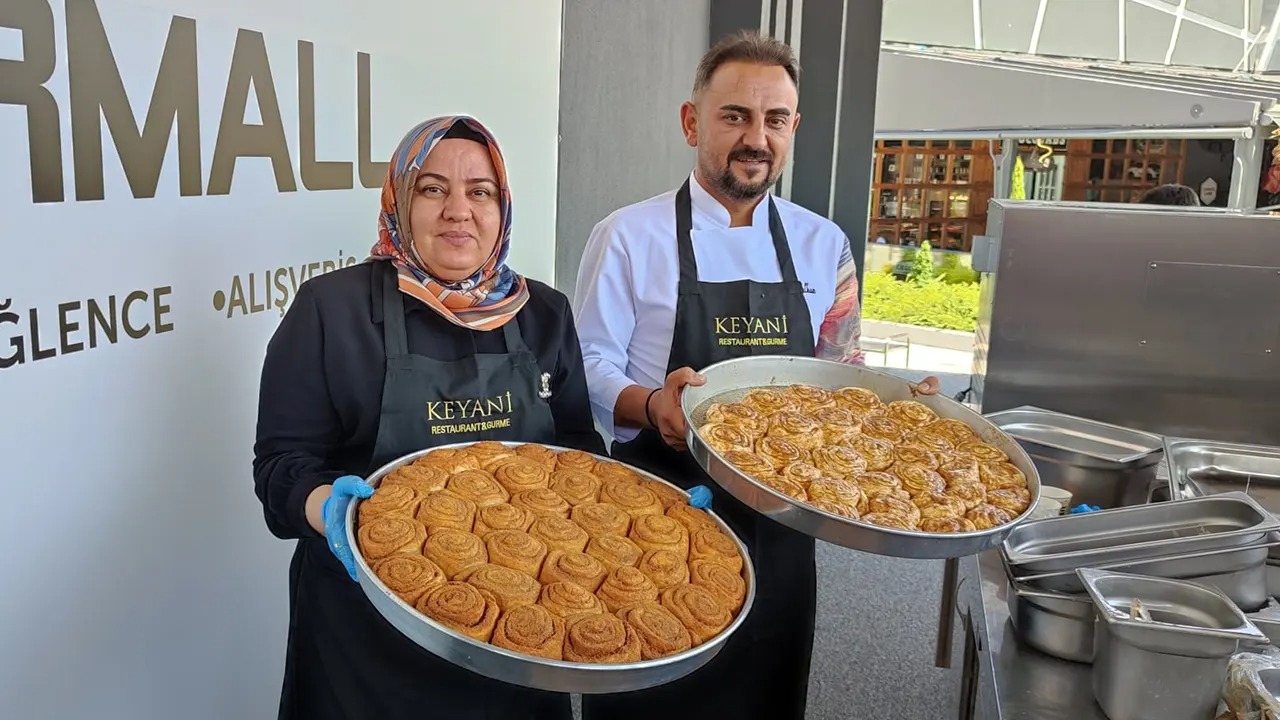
(334, 512)
(700, 497)
(1084, 508)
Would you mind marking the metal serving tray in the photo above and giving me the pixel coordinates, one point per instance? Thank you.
(728, 381)
(1205, 467)
(1141, 532)
(526, 670)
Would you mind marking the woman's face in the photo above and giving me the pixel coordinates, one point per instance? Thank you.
(455, 217)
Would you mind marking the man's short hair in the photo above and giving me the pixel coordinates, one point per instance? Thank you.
(746, 46)
(1171, 194)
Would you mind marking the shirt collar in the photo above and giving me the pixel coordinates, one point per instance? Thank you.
(711, 208)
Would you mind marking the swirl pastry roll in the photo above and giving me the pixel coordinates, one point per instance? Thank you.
(839, 426)
(940, 506)
(801, 430)
(947, 524)
(576, 460)
(601, 519)
(751, 464)
(455, 551)
(446, 510)
(858, 401)
(883, 427)
(625, 586)
(567, 601)
(845, 511)
(409, 576)
(722, 438)
(838, 462)
(661, 633)
(614, 552)
(787, 487)
(577, 568)
(488, 452)
(532, 630)
(559, 534)
(691, 517)
(930, 440)
(665, 568)
(389, 500)
(512, 588)
(607, 470)
(987, 516)
(478, 486)
(919, 480)
(714, 546)
(423, 478)
(1013, 500)
(971, 494)
(982, 452)
(701, 611)
(838, 491)
(518, 474)
(810, 397)
(910, 453)
(996, 475)
(878, 483)
(504, 516)
(450, 460)
(801, 473)
(388, 535)
(889, 520)
(636, 499)
(723, 582)
(601, 639)
(779, 452)
(659, 532)
(575, 486)
(544, 456)
(462, 607)
(667, 495)
(517, 550)
(542, 502)
(878, 453)
(888, 505)
(743, 417)
(959, 470)
(769, 402)
(955, 431)
(910, 413)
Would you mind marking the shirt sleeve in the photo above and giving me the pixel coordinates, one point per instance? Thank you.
(570, 401)
(297, 422)
(842, 326)
(604, 305)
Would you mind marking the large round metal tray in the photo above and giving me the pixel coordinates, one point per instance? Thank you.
(526, 670)
(729, 381)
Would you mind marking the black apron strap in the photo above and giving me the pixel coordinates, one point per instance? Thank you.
(512, 338)
(780, 246)
(395, 339)
(684, 240)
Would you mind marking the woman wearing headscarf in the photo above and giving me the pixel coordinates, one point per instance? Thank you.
(385, 358)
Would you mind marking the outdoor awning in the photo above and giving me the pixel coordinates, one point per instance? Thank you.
(947, 91)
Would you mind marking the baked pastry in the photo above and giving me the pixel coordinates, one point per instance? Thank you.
(959, 470)
(722, 437)
(567, 600)
(947, 524)
(625, 586)
(450, 460)
(446, 510)
(559, 533)
(801, 473)
(883, 427)
(810, 397)
(660, 632)
(878, 483)
(659, 532)
(391, 499)
(956, 431)
(532, 630)
(889, 505)
(409, 576)
(911, 413)
(779, 451)
(909, 453)
(802, 430)
(462, 607)
(701, 610)
(790, 488)
(423, 478)
(987, 516)
(750, 464)
(614, 552)
(743, 417)
(1013, 500)
(769, 402)
(838, 491)
(859, 401)
(542, 502)
(982, 452)
(919, 480)
(971, 494)
(839, 426)
(940, 506)
(664, 567)
(576, 460)
(519, 474)
(691, 517)
(723, 582)
(846, 511)
(878, 453)
(455, 551)
(388, 535)
(927, 438)
(634, 498)
(609, 470)
(997, 475)
(490, 453)
(889, 520)
(668, 495)
(575, 486)
(712, 545)
(511, 587)
(544, 456)
(478, 486)
(503, 516)
(577, 568)
(839, 462)
(600, 639)
(517, 550)
(601, 519)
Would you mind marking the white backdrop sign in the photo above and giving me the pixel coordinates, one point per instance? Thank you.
(170, 172)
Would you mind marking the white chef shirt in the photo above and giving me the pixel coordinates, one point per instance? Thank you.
(625, 302)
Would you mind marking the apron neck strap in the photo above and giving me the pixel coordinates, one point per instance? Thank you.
(684, 240)
(395, 339)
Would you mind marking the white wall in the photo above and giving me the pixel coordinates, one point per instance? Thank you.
(140, 581)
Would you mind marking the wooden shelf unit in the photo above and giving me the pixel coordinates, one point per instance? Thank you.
(935, 190)
(1119, 171)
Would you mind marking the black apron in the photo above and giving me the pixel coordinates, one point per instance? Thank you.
(763, 670)
(344, 661)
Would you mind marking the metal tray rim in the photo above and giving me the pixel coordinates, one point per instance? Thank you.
(1156, 441)
(1180, 486)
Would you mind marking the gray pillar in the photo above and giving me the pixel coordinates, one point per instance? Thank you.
(1246, 171)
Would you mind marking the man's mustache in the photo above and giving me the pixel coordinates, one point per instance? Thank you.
(747, 155)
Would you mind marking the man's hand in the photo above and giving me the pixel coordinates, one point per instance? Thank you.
(927, 386)
(664, 406)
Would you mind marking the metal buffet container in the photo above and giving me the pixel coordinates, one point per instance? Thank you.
(729, 381)
(526, 670)
(1100, 464)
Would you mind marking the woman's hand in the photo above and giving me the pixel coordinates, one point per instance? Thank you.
(334, 514)
(927, 386)
(664, 406)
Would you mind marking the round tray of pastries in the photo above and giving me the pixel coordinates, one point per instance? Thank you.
(850, 455)
(547, 567)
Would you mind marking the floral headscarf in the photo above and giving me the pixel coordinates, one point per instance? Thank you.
(487, 299)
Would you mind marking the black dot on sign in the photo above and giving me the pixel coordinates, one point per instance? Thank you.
(219, 300)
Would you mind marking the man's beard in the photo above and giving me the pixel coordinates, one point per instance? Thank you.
(732, 187)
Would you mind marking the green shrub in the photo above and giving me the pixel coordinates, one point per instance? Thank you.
(932, 304)
(950, 261)
(922, 270)
(887, 268)
(958, 275)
